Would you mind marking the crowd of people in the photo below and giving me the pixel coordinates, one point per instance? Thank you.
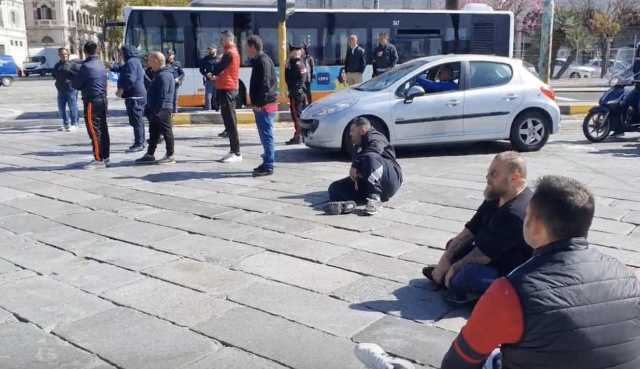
(544, 297)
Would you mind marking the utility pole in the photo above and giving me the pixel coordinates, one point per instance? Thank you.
(546, 39)
(452, 5)
(282, 49)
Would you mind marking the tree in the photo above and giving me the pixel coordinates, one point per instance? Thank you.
(569, 30)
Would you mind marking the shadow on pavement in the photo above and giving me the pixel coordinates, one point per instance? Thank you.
(307, 155)
(55, 115)
(311, 198)
(185, 176)
(459, 149)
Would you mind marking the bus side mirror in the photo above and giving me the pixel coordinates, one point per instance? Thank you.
(414, 91)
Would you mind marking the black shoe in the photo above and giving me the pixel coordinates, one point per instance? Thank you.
(223, 134)
(135, 148)
(146, 159)
(339, 207)
(460, 299)
(261, 171)
(428, 273)
(295, 140)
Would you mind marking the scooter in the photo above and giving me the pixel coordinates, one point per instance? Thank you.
(612, 115)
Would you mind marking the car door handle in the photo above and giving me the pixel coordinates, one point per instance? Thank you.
(511, 97)
(453, 103)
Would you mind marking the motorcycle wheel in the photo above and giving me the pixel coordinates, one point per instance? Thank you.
(596, 126)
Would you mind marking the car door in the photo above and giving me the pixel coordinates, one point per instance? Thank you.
(433, 117)
(492, 99)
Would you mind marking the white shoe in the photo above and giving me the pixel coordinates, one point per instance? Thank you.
(95, 164)
(73, 127)
(374, 357)
(62, 129)
(231, 158)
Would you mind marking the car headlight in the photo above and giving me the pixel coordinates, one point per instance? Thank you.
(322, 110)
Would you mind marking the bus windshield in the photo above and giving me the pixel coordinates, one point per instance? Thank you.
(385, 80)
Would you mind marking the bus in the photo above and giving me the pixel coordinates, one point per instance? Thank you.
(415, 33)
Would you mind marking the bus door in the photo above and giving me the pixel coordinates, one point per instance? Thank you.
(416, 43)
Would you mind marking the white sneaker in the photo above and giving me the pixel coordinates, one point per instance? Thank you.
(62, 129)
(374, 357)
(95, 164)
(231, 158)
(73, 127)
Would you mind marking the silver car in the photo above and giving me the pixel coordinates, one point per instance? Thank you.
(494, 98)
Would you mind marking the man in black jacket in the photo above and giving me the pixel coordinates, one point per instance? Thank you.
(91, 80)
(63, 72)
(262, 90)
(375, 175)
(159, 109)
(207, 65)
(355, 61)
(295, 74)
(131, 87)
(178, 75)
(385, 56)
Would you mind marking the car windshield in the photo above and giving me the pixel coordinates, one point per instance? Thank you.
(387, 79)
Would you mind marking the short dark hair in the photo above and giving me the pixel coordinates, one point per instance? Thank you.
(90, 48)
(383, 34)
(255, 41)
(362, 122)
(61, 49)
(564, 205)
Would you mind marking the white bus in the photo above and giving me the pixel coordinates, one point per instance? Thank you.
(415, 33)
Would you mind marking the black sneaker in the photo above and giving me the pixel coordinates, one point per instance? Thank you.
(223, 134)
(460, 299)
(339, 207)
(135, 148)
(146, 159)
(261, 171)
(295, 140)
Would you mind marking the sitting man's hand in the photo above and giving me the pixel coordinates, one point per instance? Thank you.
(455, 268)
(353, 173)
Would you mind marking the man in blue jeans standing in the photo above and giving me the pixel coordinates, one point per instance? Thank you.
(262, 90)
(63, 72)
(131, 87)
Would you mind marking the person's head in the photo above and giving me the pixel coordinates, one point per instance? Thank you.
(342, 76)
(353, 41)
(254, 46)
(383, 38)
(156, 61)
(444, 74)
(359, 128)
(506, 175)
(90, 48)
(63, 54)
(227, 39)
(211, 50)
(295, 52)
(171, 56)
(561, 208)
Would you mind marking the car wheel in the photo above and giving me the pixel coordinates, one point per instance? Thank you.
(42, 74)
(596, 126)
(574, 75)
(6, 81)
(347, 146)
(530, 131)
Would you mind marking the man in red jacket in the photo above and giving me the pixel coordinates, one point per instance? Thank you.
(226, 76)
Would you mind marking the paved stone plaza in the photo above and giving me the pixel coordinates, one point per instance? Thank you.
(200, 266)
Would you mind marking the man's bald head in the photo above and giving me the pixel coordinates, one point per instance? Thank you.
(514, 162)
(506, 175)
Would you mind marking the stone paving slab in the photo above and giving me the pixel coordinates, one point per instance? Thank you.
(37, 257)
(125, 255)
(232, 358)
(26, 223)
(286, 269)
(7, 194)
(212, 250)
(140, 233)
(92, 221)
(281, 340)
(44, 206)
(378, 266)
(23, 345)
(7, 317)
(309, 308)
(133, 340)
(419, 235)
(49, 303)
(94, 277)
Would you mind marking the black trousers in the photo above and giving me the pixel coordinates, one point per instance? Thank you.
(307, 91)
(160, 125)
(227, 101)
(95, 118)
(296, 105)
(377, 177)
(135, 111)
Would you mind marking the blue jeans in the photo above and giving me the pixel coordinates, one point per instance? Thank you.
(135, 111)
(264, 122)
(473, 278)
(70, 99)
(209, 95)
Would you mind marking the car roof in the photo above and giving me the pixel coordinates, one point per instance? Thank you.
(467, 57)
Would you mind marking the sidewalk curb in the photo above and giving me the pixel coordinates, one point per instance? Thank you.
(244, 117)
(576, 108)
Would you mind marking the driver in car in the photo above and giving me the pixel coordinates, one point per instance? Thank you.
(443, 82)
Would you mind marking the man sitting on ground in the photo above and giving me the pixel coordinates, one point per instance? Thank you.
(491, 244)
(375, 174)
(443, 82)
(569, 306)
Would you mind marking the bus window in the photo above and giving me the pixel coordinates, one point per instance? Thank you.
(336, 44)
(269, 38)
(207, 28)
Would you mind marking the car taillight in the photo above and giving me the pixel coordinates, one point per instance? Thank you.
(548, 92)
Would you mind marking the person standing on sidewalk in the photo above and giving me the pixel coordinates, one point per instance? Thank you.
(178, 75)
(91, 80)
(159, 110)
(207, 65)
(131, 88)
(295, 74)
(262, 90)
(385, 56)
(67, 95)
(226, 75)
(310, 65)
(355, 61)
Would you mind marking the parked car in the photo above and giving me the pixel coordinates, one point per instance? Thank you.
(8, 70)
(574, 70)
(497, 99)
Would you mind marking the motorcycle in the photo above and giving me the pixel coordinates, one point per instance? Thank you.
(612, 115)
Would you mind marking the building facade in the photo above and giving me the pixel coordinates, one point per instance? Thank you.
(61, 23)
(13, 34)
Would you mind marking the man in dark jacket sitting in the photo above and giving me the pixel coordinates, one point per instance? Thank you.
(131, 87)
(375, 175)
(159, 109)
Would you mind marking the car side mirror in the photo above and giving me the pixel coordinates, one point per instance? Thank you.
(414, 91)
